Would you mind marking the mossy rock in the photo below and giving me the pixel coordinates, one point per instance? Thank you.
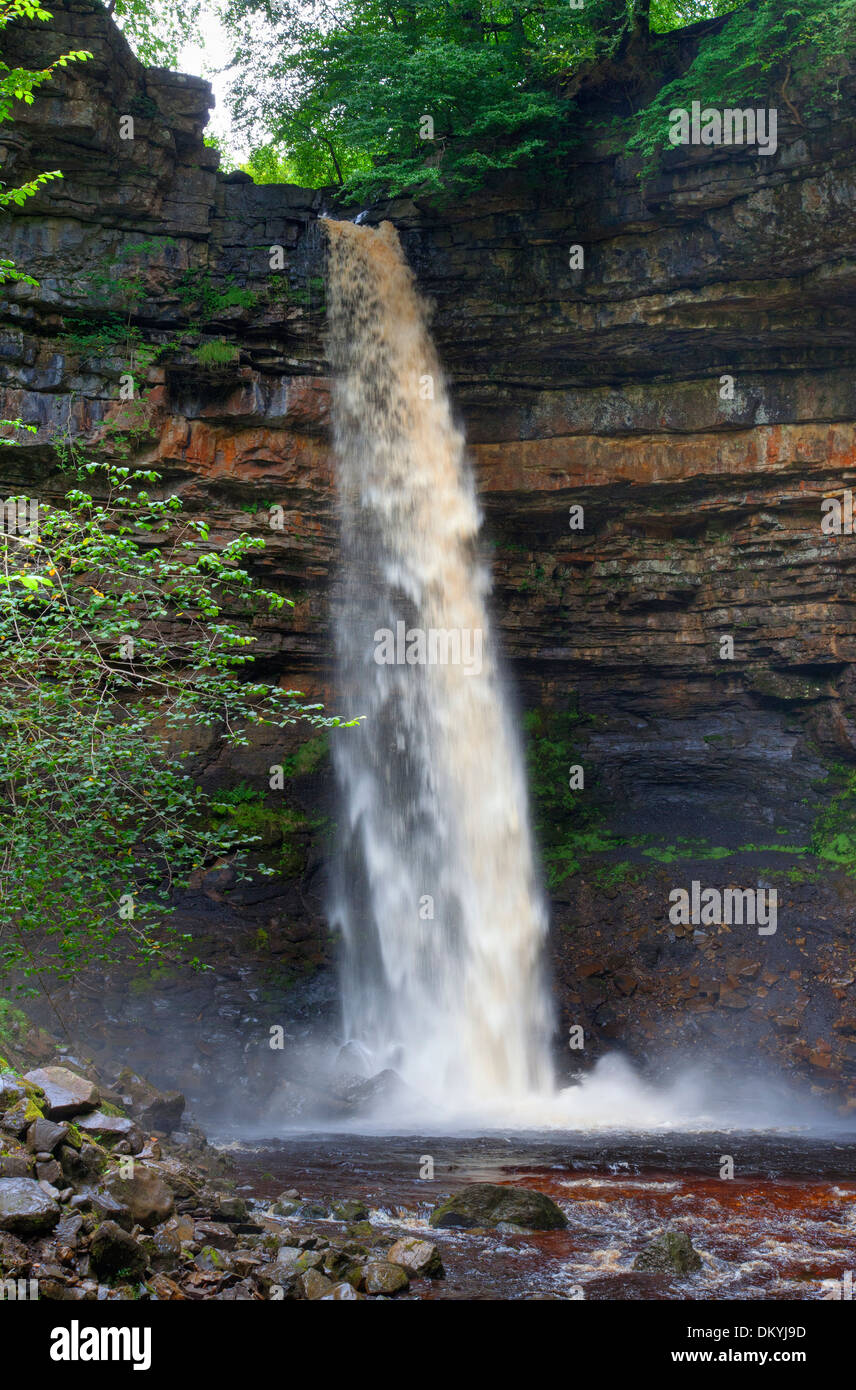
(671, 1253)
(488, 1205)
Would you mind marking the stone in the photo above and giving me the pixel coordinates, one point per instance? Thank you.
(48, 1172)
(487, 1204)
(341, 1293)
(11, 1090)
(351, 1209)
(420, 1258)
(109, 1128)
(25, 1209)
(152, 1109)
(212, 1259)
(382, 1277)
(66, 1093)
(215, 1233)
(18, 1118)
(671, 1253)
(233, 1209)
(315, 1284)
(80, 1165)
(114, 1252)
(44, 1136)
(145, 1194)
(15, 1165)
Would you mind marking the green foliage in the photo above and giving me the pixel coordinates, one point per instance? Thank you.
(116, 645)
(216, 352)
(339, 89)
(336, 91)
(752, 59)
(158, 29)
(196, 289)
(834, 831)
(568, 825)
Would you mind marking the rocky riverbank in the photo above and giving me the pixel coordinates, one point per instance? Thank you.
(105, 1193)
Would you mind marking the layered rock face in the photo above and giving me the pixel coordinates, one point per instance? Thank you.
(689, 385)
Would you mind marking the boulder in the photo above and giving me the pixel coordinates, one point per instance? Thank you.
(112, 1128)
(144, 1193)
(486, 1204)
(383, 1277)
(315, 1284)
(671, 1253)
(352, 1209)
(17, 1120)
(151, 1108)
(15, 1165)
(115, 1252)
(44, 1136)
(360, 1095)
(341, 1293)
(420, 1258)
(24, 1208)
(11, 1090)
(215, 1233)
(66, 1093)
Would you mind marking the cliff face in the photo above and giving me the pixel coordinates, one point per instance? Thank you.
(691, 387)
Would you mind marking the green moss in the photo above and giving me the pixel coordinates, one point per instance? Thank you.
(216, 352)
(833, 836)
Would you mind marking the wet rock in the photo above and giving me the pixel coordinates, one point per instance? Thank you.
(80, 1165)
(486, 1204)
(358, 1094)
(341, 1293)
(246, 1262)
(285, 1207)
(17, 1120)
(352, 1209)
(48, 1172)
(104, 1205)
(420, 1258)
(11, 1090)
(146, 1196)
(153, 1109)
(24, 1208)
(216, 1233)
(66, 1093)
(671, 1253)
(44, 1136)
(14, 1256)
(15, 1165)
(382, 1277)
(232, 1209)
(315, 1284)
(211, 1259)
(116, 1128)
(115, 1252)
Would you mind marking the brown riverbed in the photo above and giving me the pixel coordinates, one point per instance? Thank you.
(781, 1229)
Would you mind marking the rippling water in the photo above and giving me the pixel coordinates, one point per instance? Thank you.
(782, 1228)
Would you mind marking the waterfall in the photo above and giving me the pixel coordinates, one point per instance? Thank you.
(442, 921)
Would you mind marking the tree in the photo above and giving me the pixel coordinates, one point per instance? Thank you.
(115, 643)
(157, 29)
(337, 91)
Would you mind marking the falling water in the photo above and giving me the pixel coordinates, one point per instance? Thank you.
(442, 921)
